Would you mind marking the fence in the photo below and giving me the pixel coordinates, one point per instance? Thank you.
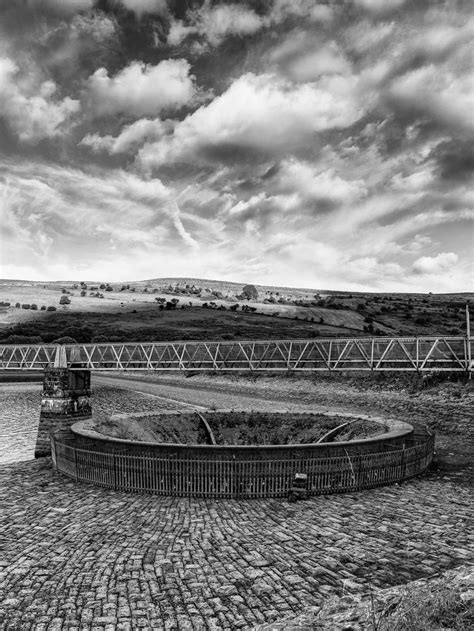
(241, 472)
(374, 354)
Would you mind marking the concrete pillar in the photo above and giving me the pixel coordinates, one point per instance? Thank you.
(65, 399)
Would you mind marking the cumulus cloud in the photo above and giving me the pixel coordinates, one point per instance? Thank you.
(435, 264)
(303, 59)
(311, 182)
(30, 107)
(445, 97)
(141, 89)
(215, 22)
(259, 113)
(130, 138)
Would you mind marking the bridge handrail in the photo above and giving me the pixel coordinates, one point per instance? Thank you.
(424, 353)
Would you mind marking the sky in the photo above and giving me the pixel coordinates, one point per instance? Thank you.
(285, 142)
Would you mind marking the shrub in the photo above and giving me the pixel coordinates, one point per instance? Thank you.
(26, 306)
(51, 308)
(34, 307)
(18, 305)
(83, 293)
(99, 339)
(43, 308)
(64, 300)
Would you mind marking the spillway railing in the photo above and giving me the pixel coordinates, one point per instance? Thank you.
(241, 472)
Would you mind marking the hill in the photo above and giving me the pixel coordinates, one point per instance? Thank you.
(179, 309)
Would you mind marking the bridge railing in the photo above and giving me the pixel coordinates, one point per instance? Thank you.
(334, 354)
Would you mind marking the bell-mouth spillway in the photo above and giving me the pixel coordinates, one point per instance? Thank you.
(237, 454)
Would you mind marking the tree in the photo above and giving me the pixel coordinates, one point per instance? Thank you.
(250, 292)
(64, 340)
(83, 293)
(64, 300)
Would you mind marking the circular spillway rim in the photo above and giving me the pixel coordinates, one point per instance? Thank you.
(398, 429)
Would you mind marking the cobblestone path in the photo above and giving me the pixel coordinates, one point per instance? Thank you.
(80, 557)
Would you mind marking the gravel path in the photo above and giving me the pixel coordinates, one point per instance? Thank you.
(198, 394)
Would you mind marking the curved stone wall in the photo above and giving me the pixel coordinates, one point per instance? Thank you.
(241, 471)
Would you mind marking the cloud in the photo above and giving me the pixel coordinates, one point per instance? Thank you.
(227, 19)
(380, 6)
(141, 7)
(311, 9)
(311, 182)
(332, 146)
(258, 113)
(141, 89)
(59, 213)
(214, 23)
(130, 138)
(435, 264)
(445, 97)
(83, 41)
(61, 6)
(302, 58)
(30, 107)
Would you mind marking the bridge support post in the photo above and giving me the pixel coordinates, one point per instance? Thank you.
(65, 399)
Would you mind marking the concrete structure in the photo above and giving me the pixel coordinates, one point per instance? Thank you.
(65, 399)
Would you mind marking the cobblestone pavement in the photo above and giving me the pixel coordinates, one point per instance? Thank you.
(81, 557)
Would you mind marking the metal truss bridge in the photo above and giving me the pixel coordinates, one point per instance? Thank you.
(423, 354)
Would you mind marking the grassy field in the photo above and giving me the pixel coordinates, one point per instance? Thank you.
(184, 309)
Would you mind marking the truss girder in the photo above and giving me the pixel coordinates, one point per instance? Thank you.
(421, 354)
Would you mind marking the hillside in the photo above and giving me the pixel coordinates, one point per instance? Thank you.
(179, 309)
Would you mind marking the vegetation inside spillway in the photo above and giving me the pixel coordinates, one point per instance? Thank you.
(236, 428)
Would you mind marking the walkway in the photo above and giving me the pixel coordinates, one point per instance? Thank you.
(79, 557)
